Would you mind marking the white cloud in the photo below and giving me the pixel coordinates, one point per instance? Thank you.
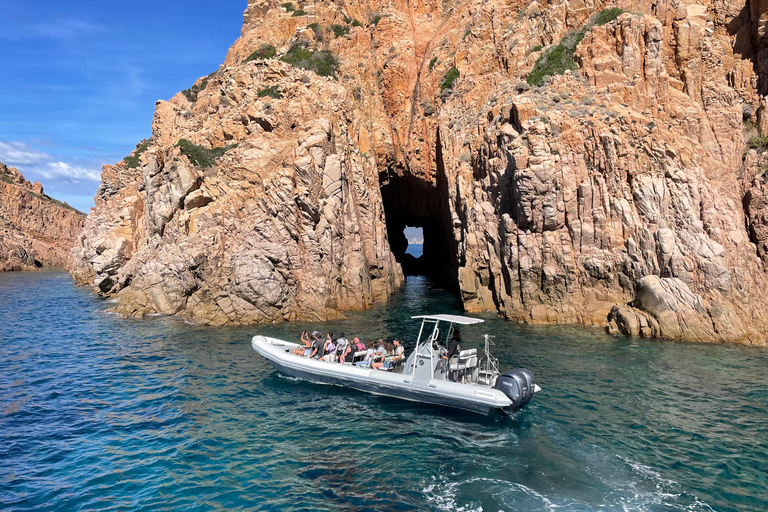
(35, 164)
(64, 170)
(18, 153)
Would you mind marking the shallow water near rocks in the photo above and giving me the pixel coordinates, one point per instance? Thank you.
(100, 413)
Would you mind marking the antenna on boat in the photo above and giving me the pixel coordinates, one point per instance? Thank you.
(491, 363)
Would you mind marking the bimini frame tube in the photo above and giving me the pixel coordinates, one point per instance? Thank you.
(416, 350)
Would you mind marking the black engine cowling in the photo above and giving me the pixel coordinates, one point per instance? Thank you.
(517, 385)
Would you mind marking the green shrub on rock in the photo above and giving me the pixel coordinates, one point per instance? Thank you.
(265, 51)
(322, 62)
(340, 30)
(608, 15)
(192, 92)
(200, 155)
(556, 60)
(272, 91)
(450, 77)
(132, 160)
(559, 59)
(758, 141)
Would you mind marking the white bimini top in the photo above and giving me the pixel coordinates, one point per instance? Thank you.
(454, 319)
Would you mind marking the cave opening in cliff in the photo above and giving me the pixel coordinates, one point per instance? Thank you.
(411, 201)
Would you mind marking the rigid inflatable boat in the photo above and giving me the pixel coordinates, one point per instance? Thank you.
(463, 382)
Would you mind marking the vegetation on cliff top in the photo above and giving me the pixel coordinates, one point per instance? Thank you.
(558, 59)
(192, 92)
(200, 155)
(322, 62)
(132, 160)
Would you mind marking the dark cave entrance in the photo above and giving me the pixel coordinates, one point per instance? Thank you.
(410, 201)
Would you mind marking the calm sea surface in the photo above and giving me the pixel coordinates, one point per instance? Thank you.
(99, 413)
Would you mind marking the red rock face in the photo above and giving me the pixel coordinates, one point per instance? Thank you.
(35, 230)
(620, 193)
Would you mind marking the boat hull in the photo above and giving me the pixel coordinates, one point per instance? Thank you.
(467, 397)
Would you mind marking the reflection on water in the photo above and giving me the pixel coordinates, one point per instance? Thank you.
(102, 413)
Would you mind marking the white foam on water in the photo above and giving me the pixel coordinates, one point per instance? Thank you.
(514, 496)
(443, 496)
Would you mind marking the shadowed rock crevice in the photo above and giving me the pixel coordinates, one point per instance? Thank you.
(411, 201)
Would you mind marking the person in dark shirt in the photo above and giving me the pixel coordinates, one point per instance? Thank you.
(453, 346)
(317, 348)
(453, 350)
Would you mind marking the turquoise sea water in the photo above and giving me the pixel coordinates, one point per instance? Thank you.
(99, 413)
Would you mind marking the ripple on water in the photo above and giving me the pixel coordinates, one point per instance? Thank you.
(99, 413)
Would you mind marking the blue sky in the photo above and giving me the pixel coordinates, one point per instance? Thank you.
(80, 80)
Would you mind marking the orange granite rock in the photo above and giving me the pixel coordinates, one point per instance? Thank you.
(618, 194)
(35, 230)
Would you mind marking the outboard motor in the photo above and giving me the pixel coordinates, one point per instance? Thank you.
(517, 385)
(530, 381)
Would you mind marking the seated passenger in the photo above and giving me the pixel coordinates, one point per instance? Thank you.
(384, 351)
(307, 340)
(317, 348)
(342, 347)
(356, 346)
(368, 359)
(330, 351)
(398, 354)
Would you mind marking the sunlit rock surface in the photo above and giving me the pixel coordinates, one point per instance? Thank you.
(35, 230)
(620, 194)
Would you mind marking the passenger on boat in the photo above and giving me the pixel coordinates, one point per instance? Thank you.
(384, 354)
(368, 359)
(453, 347)
(330, 351)
(356, 346)
(307, 340)
(342, 347)
(453, 351)
(317, 347)
(398, 354)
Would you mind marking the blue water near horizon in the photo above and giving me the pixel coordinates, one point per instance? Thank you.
(102, 413)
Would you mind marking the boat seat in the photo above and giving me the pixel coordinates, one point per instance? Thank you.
(391, 366)
(359, 356)
(466, 359)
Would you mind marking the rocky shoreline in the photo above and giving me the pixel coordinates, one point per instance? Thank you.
(568, 164)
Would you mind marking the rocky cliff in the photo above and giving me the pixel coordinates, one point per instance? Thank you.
(568, 161)
(35, 230)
